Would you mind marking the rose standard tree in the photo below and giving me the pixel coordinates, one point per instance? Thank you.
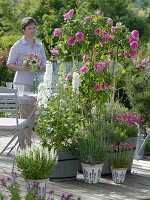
(105, 50)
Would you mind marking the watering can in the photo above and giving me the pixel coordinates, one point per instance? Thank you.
(141, 143)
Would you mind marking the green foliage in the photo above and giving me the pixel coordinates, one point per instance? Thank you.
(7, 41)
(137, 88)
(56, 126)
(35, 162)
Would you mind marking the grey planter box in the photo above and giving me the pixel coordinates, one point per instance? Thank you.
(66, 168)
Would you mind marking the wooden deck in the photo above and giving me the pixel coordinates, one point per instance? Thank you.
(136, 186)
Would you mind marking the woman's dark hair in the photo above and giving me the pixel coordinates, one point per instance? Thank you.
(27, 21)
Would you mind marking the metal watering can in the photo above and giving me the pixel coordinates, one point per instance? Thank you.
(141, 143)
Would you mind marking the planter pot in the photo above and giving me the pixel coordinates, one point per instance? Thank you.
(66, 168)
(107, 164)
(40, 185)
(118, 174)
(92, 173)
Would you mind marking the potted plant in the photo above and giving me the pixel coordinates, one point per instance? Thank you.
(92, 151)
(56, 128)
(35, 164)
(120, 160)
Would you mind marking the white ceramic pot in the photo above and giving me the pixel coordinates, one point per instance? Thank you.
(118, 174)
(92, 173)
(39, 185)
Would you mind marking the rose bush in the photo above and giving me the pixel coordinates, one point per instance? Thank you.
(105, 51)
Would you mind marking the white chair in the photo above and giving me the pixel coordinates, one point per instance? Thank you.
(9, 104)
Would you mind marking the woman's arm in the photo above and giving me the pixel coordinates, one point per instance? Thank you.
(15, 67)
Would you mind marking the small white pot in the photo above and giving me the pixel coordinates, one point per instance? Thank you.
(118, 174)
(92, 173)
(40, 185)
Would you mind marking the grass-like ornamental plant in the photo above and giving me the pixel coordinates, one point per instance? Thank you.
(121, 160)
(122, 154)
(35, 162)
(92, 150)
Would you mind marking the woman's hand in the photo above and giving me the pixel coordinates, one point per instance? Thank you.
(42, 68)
(24, 68)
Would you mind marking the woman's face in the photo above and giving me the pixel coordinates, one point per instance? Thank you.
(30, 30)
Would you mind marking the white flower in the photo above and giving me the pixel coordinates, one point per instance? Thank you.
(45, 88)
(75, 82)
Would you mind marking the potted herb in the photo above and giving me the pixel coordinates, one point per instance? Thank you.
(35, 164)
(120, 160)
(92, 151)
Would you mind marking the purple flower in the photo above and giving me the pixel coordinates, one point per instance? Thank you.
(135, 34)
(71, 41)
(97, 87)
(79, 36)
(54, 52)
(57, 32)
(110, 21)
(83, 69)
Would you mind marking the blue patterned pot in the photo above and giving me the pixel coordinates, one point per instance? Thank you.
(92, 173)
(118, 174)
(39, 185)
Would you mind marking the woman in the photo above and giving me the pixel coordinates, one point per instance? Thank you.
(23, 76)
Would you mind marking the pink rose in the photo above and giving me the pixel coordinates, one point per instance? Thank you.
(134, 45)
(99, 67)
(79, 36)
(130, 38)
(110, 21)
(57, 32)
(106, 85)
(97, 31)
(104, 40)
(85, 58)
(126, 54)
(133, 53)
(54, 52)
(69, 14)
(97, 87)
(71, 41)
(68, 77)
(88, 19)
(105, 35)
(83, 69)
(105, 63)
(135, 34)
(113, 30)
(7, 50)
